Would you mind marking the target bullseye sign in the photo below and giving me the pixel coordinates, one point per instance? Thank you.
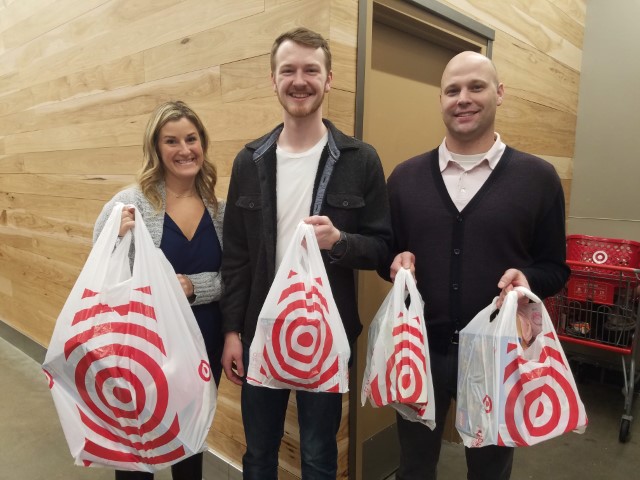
(535, 408)
(300, 341)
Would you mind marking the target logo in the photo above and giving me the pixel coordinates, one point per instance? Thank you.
(488, 404)
(406, 366)
(541, 400)
(117, 357)
(300, 351)
(600, 257)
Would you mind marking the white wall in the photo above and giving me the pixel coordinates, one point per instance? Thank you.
(605, 193)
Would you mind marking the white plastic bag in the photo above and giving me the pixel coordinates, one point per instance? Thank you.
(513, 392)
(127, 365)
(398, 370)
(300, 342)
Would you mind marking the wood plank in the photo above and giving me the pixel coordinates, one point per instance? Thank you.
(123, 103)
(531, 75)
(89, 161)
(533, 127)
(119, 73)
(240, 120)
(74, 251)
(342, 106)
(343, 39)
(526, 22)
(45, 20)
(246, 79)
(150, 30)
(68, 36)
(42, 270)
(101, 134)
(231, 42)
(29, 222)
(576, 9)
(224, 152)
(98, 187)
(64, 208)
(15, 12)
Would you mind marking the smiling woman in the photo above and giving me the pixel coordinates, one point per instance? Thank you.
(175, 195)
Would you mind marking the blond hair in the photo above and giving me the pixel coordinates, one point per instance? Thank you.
(152, 171)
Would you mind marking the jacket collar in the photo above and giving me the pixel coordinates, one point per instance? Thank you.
(337, 141)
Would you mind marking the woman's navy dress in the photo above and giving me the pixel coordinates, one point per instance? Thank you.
(200, 254)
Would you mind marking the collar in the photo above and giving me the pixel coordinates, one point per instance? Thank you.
(337, 141)
(492, 156)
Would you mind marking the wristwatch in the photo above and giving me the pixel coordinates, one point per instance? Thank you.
(340, 247)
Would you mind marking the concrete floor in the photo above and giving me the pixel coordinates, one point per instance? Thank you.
(32, 445)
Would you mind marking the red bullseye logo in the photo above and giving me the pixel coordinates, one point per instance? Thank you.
(406, 366)
(600, 257)
(119, 378)
(537, 408)
(301, 340)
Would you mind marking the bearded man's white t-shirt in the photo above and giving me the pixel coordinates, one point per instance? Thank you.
(295, 176)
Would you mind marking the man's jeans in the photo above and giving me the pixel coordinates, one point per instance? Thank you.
(263, 415)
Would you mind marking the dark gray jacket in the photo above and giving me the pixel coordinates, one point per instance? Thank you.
(349, 189)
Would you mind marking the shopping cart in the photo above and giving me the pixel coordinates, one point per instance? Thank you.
(599, 307)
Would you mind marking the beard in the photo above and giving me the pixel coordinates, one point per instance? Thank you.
(301, 110)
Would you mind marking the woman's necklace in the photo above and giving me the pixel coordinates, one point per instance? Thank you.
(182, 195)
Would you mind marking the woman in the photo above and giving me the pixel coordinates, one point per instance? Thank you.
(175, 196)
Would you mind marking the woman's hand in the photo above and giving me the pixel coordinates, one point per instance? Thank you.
(186, 284)
(127, 222)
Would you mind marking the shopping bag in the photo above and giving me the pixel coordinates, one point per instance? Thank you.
(127, 365)
(300, 342)
(398, 369)
(515, 387)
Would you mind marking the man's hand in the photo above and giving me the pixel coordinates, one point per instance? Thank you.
(326, 233)
(232, 358)
(403, 260)
(512, 278)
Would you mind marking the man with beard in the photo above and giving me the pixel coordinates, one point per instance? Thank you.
(304, 170)
(473, 219)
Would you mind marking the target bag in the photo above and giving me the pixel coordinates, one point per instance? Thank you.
(300, 342)
(398, 371)
(127, 365)
(515, 387)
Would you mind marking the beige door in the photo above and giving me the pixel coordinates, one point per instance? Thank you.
(401, 119)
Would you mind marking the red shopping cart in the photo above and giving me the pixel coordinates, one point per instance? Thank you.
(599, 307)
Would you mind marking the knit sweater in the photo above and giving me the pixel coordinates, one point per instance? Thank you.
(207, 286)
(516, 220)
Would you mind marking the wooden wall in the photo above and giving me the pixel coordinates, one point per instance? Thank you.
(78, 79)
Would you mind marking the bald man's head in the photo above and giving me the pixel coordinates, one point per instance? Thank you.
(469, 96)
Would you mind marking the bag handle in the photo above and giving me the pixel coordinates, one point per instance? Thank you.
(404, 282)
(519, 289)
(528, 293)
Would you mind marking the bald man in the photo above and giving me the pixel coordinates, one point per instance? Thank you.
(472, 218)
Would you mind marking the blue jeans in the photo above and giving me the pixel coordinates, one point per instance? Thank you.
(263, 416)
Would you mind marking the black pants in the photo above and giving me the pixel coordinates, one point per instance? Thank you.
(420, 446)
(188, 469)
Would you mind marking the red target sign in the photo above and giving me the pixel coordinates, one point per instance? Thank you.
(541, 399)
(300, 353)
(115, 357)
(301, 337)
(406, 366)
